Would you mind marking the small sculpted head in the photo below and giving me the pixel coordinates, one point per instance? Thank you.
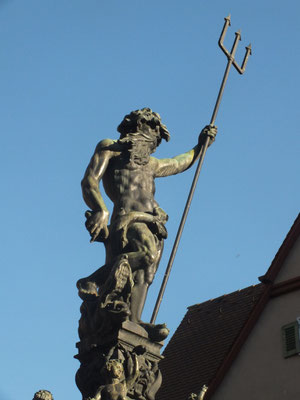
(115, 369)
(143, 124)
(43, 395)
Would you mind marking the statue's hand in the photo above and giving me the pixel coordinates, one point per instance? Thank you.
(96, 224)
(210, 131)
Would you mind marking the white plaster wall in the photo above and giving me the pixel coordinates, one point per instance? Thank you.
(260, 372)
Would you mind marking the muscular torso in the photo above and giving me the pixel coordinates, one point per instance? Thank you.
(129, 185)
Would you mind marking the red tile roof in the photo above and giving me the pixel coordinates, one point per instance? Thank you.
(202, 341)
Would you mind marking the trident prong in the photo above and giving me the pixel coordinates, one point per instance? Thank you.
(223, 34)
(231, 61)
(248, 53)
(230, 55)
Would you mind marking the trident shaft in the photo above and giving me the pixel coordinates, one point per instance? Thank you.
(231, 61)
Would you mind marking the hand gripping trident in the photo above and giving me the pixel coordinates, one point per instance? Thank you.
(231, 61)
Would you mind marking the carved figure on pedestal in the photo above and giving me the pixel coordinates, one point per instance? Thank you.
(117, 385)
(43, 395)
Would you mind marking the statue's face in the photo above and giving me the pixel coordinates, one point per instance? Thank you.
(149, 127)
(117, 370)
(146, 122)
(145, 136)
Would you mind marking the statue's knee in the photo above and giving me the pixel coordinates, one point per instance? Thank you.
(139, 277)
(149, 274)
(149, 278)
(150, 255)
(150, 258)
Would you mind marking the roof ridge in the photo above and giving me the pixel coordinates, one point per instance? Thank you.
(282, 253)
(223, 296)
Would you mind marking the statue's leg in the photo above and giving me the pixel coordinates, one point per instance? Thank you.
(143, 279)
(138, 296)
(142, 250)
(144, 257)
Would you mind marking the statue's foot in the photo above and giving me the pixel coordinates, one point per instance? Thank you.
(157, 333)
(87, 290)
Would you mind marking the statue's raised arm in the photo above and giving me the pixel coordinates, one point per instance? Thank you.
(182, 162)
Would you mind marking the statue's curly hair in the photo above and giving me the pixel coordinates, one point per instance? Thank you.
(43, 395)
(145, 115)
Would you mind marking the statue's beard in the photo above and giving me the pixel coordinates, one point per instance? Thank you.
(140, 152)
(139, 146)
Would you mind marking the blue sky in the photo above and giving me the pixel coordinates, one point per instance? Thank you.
(70, 71)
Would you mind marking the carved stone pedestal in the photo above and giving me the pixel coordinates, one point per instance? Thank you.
(122, 364)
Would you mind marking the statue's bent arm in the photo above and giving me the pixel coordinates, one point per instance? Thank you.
(93, 175)
(180, 163)
(177, 164)
(98, 220)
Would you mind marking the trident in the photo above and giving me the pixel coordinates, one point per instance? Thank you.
(231, 61)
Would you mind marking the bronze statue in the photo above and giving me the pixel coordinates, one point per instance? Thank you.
(110, 327)
(137, 226)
